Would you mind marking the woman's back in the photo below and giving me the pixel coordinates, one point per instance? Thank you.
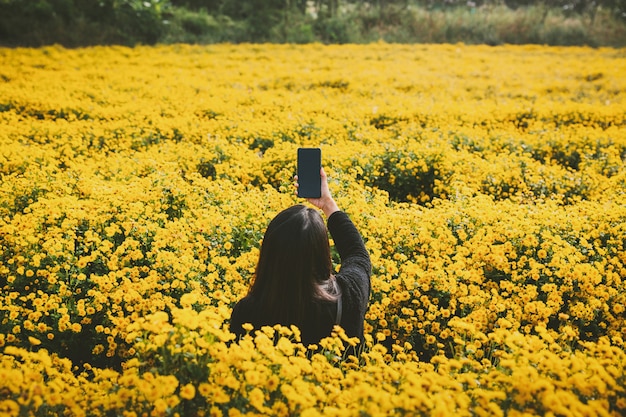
(293, 284)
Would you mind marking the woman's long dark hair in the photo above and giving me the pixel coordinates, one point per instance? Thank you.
(294, 268)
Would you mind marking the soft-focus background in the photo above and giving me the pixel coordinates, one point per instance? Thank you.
(493, 22)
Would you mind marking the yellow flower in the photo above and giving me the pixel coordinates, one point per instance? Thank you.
(188, 391)
(257, 399)
(10, 407)
(253, 377)
(160, 406)
(33, 341)
(272, 383)
(204, 389)
(219, 396)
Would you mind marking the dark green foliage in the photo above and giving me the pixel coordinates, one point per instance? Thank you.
(88, 22)
(212, 6)
(406, 176)
(206, 169)
(81, 22)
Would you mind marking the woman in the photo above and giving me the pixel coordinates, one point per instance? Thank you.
(294, 281)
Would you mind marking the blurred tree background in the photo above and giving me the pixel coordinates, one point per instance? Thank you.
(75, 23)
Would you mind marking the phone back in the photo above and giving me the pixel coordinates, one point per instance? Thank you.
(309, 179)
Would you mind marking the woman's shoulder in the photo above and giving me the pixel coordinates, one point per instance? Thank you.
(244, 311)
(245, 303)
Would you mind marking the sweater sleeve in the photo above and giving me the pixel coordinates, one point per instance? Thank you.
(355, 271)
(348, 241)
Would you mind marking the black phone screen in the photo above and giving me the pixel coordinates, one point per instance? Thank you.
(309, 179)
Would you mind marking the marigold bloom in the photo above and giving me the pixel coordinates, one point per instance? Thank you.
(187, 392)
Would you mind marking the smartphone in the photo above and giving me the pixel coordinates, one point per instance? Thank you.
(309, 178)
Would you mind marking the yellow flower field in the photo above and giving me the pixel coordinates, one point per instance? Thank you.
(488, 182)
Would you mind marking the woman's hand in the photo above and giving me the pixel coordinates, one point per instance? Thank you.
(326, 202)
